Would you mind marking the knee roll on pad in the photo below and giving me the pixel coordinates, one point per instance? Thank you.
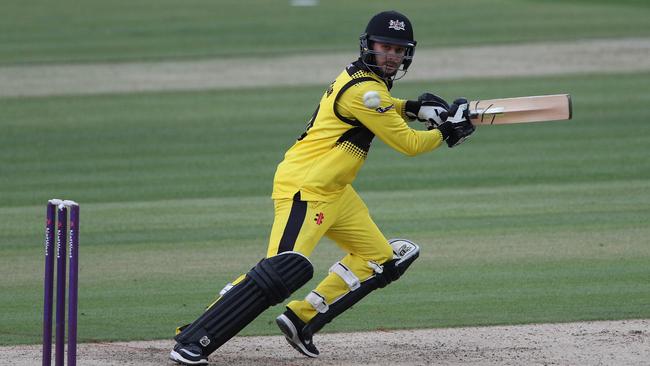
(404, 253)
(278, 277)
(270, 282)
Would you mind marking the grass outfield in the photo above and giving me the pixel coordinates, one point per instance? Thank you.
(528, 223)
(35, 31)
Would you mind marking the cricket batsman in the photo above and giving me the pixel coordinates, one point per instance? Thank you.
(314, 197)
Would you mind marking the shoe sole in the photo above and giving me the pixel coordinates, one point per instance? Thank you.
(291, 335)
(176, 357)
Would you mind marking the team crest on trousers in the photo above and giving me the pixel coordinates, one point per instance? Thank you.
(397, 25)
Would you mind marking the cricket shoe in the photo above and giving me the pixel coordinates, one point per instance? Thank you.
(292, 327)
(188, 354)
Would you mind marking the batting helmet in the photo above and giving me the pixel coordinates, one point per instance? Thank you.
(387, 27)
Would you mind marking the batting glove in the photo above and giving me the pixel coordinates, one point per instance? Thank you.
(457, 127)
(429, 108)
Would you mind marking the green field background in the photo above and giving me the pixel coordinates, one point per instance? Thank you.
(36, 31)
(527, 223)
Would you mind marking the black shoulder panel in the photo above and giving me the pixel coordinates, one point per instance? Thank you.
(343, 89)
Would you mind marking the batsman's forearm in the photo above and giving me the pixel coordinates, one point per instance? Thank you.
(412, 142)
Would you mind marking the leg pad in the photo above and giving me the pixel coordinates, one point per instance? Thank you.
(404, 253)
(270, 282)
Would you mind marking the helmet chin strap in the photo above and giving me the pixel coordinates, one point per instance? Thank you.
(381, 70)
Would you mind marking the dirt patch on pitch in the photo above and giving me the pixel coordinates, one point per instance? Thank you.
(590, 343)
(535, 59)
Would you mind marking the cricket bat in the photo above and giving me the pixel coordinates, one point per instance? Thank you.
(520, 110)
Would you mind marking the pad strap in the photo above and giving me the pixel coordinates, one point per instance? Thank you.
(346, 275)
(317, 302)
(376, 267)
(404, 253)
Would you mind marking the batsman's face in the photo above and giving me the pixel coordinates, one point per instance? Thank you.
(388, 56)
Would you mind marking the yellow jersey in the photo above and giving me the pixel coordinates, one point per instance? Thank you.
(355, 108)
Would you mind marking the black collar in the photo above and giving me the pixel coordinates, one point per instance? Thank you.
(360, 65)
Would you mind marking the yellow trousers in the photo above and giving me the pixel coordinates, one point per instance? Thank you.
(299, 225)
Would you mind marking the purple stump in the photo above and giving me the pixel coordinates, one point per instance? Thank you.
(73, 285)
(61, 241)
(48, 283)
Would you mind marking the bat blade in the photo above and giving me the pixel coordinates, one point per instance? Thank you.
(521, 109)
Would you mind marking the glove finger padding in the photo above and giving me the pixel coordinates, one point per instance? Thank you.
(429, 97)
(433, 110)
(462, 126)
(442, 117)
(459, 111)
(460, 133)
(429, 108)
(432, 116)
